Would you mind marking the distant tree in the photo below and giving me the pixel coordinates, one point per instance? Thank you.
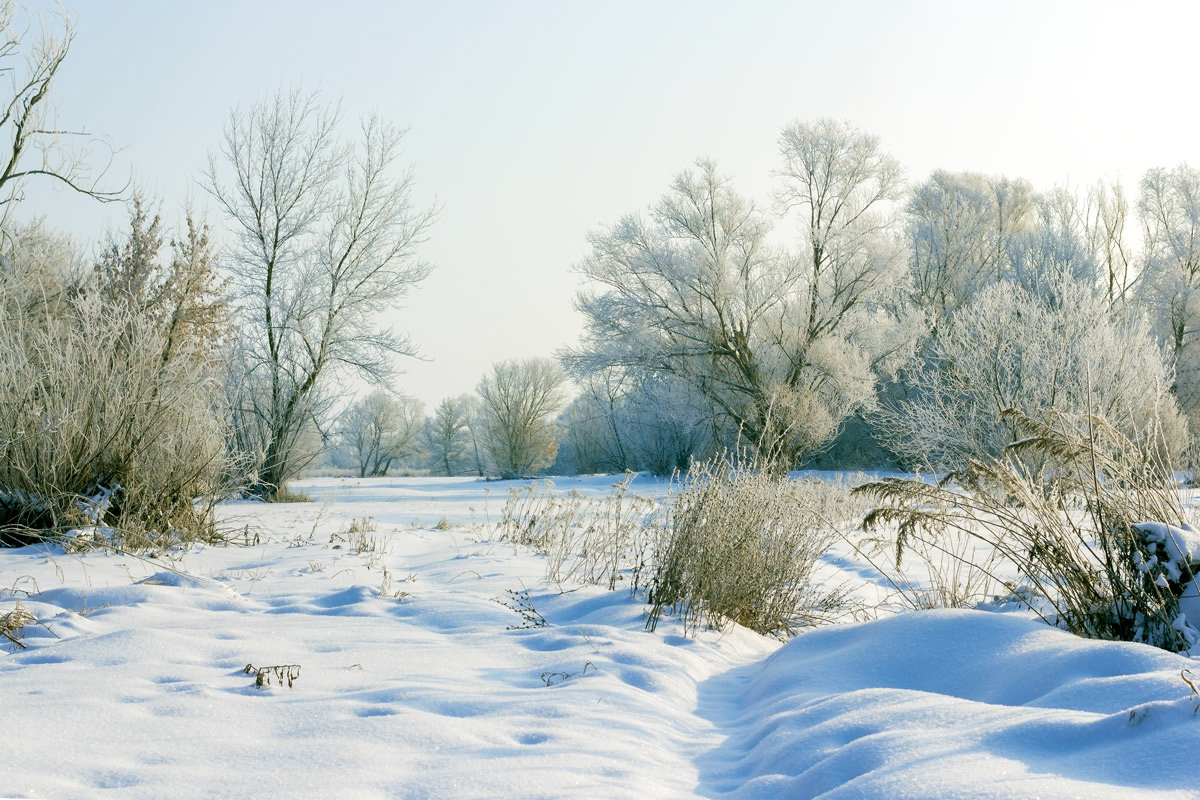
(595, 425)
(325, 238)
(624, 422)
(1106, 219)
(380, 430)
(783, 343)
(446, 435)
(518, 403)
(1054, 249)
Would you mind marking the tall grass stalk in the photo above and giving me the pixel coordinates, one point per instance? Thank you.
(1071, 530)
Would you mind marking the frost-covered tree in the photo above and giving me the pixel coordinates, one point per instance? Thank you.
(1105, 220)
(1169, 207)
(782, 342)
(960, 226)
(1041, 354)
(380, 430)
(519, 401)
(446, 435)
(1054, 249)
(595, 426)
(325, 238)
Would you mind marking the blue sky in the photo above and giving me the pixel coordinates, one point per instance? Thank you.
(534, 122)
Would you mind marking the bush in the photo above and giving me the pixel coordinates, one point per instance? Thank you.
(108, 420)
(1095, 539)
(739, 545)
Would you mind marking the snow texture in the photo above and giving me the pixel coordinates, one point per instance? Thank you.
(424, 682)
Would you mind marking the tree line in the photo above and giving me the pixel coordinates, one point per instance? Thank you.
(852, 318)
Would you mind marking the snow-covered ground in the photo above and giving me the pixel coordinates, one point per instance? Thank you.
(419, 671)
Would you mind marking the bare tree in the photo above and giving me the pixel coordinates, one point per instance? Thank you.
(783, 343)
(621, 421)
(380, 430)
(446, 436)
(32, 145)
(325, 238)
(518, 403)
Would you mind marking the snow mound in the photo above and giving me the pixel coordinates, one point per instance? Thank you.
(954, 704)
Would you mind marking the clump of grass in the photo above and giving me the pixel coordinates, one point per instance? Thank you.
(597, 541)
(443, 524)
(388, 587)
(358, 538)
(363, 525)
(1073, 530)
(13, 621)
(736, 544)
(285, 494)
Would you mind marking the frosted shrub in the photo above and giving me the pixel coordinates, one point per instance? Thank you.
(108, 421)
(739, 545)
(1085, 538)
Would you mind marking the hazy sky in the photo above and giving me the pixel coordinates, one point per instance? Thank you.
(533, 122)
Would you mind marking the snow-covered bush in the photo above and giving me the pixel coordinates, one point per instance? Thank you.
(741, 545)
(1077, 537)
(108, 387)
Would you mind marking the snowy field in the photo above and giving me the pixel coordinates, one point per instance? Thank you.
(418, 669)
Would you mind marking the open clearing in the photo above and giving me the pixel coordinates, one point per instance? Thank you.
(427, 659)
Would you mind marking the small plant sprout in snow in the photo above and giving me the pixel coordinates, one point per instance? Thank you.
(281, 674)
(523, 605)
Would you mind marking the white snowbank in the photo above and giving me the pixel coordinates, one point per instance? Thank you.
(134, 686)
(956, 704)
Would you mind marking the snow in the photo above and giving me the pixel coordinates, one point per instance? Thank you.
(1182, 544)
(418, 679)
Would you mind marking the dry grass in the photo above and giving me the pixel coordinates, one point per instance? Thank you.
(285, 494)
(599, 541)
(954, 571)
(731, 544)
(1069, 530)
(13, 621)
(739, 545)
